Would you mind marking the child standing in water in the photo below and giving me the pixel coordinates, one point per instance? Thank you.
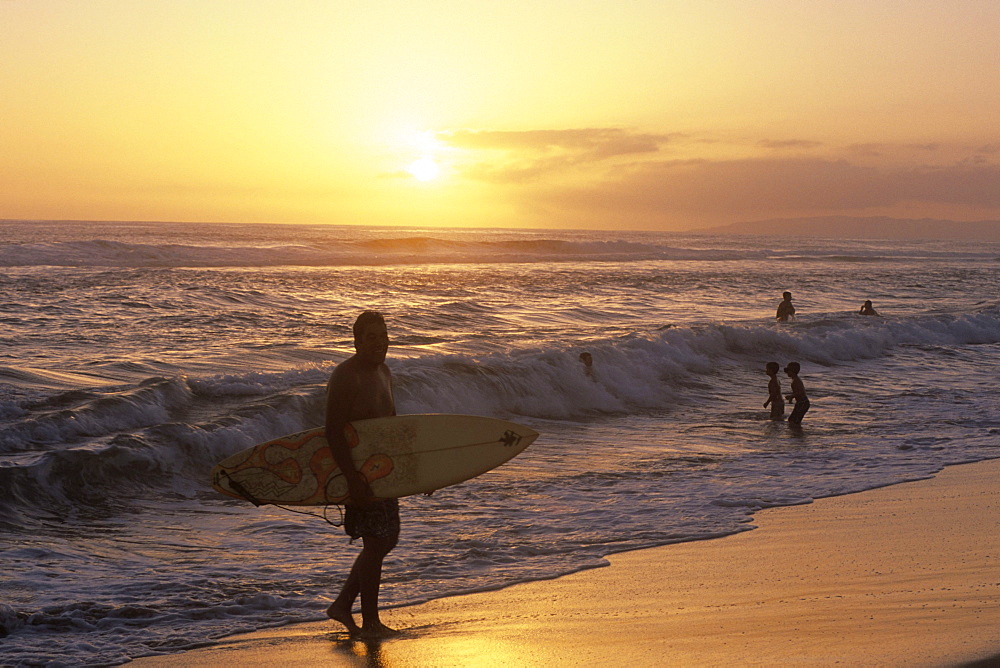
(785, 308)
(798, 394)
(774, 397)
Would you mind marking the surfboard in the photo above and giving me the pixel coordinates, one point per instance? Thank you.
(398, 456)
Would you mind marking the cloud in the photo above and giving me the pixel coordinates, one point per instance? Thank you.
(602, 142)
(969, 183)
(788, 144)
(594, 174)
(702, 190)
(875, 149)
(520, 157)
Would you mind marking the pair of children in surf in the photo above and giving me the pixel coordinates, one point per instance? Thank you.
(777, 401)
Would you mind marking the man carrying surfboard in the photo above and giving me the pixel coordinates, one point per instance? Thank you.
(360, 387)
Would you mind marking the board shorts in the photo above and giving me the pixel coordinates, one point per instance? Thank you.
(777, 410)
(379, 520)
(801, 406)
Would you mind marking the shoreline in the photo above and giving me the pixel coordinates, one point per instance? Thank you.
(907, 574)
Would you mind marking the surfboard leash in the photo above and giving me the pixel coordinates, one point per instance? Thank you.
(242, 491)
(323, 517)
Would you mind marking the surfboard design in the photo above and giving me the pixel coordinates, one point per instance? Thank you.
(398, 456)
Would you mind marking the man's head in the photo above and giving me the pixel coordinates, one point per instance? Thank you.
(787, 296)
(772, 368)
(792, 368)
(371, 338)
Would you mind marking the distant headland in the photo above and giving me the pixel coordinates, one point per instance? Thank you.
(864, 228)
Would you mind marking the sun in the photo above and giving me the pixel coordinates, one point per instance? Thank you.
(424, 169)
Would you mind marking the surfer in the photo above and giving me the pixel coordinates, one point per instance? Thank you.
(359, 388)
(785, 308)
(774, 398)
(867, 308)
(798, 394)
(588, 364)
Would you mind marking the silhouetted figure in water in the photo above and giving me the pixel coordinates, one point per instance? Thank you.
(785, 308)
(798, 394)
(588, 364)
(867, 308)
(774, 398)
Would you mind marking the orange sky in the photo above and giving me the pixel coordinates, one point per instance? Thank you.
(647, 114)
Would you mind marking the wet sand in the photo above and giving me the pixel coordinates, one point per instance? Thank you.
(907, 575)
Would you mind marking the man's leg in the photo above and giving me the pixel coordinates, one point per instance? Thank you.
(340, 609)
(369, 566)
(378, 527)
(365, 579)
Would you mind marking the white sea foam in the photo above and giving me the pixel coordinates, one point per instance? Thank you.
(650, 372)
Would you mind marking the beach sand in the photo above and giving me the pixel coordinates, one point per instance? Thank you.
(907, 575)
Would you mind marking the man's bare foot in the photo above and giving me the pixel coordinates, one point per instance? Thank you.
(377, 631)
(344, 617)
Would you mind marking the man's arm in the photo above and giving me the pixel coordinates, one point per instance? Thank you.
(340, 393)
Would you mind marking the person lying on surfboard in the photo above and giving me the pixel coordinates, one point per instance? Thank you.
(360, 387)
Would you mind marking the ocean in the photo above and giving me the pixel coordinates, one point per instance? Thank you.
(137, 355)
